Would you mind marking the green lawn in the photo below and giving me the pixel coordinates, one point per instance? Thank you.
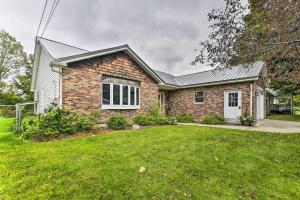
(181, 162)
(294, 118)
(5, 124)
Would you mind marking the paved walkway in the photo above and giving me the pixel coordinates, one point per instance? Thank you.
(267, 125)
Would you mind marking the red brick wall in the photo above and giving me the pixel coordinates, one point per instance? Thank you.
(82, 84)
(182, 101)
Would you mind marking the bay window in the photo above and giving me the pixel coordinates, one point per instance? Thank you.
(120, 94)
(106, 94)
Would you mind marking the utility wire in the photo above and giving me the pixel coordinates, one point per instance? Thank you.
(41, 18)
(54, 5)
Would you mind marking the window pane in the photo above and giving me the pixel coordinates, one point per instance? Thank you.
(106, 94)
(137, 96)
(125, 95)
(233, 99)
(199, 97)
(116, 94)
(131, 95)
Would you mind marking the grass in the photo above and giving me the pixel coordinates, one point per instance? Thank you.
(5, 124)
(181, 162)
(293, 118)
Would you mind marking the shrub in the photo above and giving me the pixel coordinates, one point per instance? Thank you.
(56, 121)
(154, 111)
(172, 120)
(141, 120)
(144, 120)
(117, 122)
(185, 118)
(246, 119)
(214, 119)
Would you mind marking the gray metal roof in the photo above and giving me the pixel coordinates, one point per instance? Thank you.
(62, 52)
(167, 78)
(221, 75)
(59, 50)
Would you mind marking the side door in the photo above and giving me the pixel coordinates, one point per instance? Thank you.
(233, 104)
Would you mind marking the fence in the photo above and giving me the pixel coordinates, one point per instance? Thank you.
(18, 111)
(7, 111)
(20, 108)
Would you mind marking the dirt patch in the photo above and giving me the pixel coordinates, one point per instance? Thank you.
(98, 131)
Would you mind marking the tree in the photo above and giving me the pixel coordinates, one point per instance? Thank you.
(267, 30)
(12, 58)
(15, 71)
(23, 80)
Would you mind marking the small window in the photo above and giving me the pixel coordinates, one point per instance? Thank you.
(233, 99)
(199, 97)
(137, 96)
(106, 94)
(116, 94)
(131, 95)
(125, 95)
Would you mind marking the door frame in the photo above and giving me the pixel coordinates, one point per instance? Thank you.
(162, 104)
(226, 101)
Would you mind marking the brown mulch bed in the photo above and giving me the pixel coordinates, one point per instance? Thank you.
(98, 131)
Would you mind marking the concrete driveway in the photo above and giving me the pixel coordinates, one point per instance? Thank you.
(267, 125)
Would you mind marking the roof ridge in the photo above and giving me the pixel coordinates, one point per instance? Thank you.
(215, 69)
(200, 72)
(62, 43)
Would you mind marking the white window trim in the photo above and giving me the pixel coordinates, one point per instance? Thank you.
(194, 98)
(121, 106)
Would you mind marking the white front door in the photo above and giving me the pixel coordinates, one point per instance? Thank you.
(260, 106)
(233, 104)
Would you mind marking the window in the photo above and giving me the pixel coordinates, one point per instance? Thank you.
(233, 99)
(131, 95)
(120, 96)
(199, 97)
(116, 94)
(125, 95)
(106, 94)
(137, 96)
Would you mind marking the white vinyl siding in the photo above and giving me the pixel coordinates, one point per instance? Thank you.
(47, 84)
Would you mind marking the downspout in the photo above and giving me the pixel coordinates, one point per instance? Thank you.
(58, 69)
(251, 98)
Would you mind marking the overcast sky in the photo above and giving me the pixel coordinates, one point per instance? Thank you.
(162, 32)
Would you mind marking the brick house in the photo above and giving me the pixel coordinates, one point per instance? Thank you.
(118, 81)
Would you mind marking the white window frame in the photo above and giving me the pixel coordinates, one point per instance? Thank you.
(111, 106)
(194, 98)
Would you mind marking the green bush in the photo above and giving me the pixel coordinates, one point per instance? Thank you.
(214, 119)
(151, 120)
(154, 111)
(141, 120)
(185, 118)
(56, 121)
(117, 122)
(172, 120)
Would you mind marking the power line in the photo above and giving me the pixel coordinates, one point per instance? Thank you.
(54, 5)
(41, 18)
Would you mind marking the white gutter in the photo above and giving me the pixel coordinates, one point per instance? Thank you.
(251, 98)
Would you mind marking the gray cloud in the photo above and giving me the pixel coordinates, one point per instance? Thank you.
(163, 32)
